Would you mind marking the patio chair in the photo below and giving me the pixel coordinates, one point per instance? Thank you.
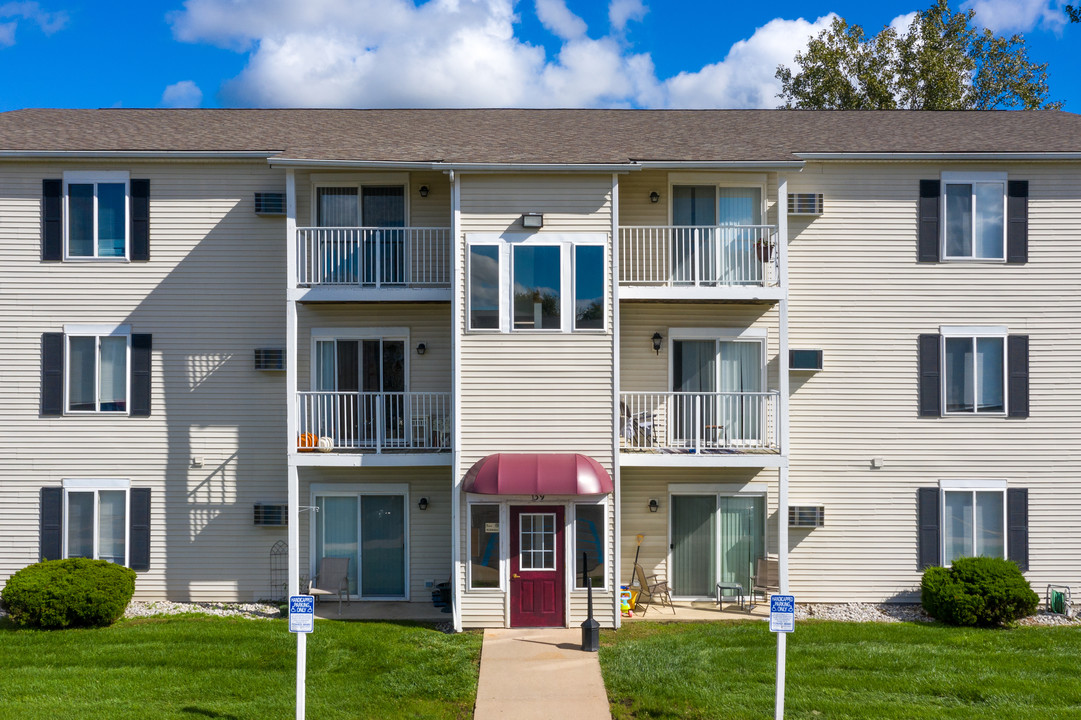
(332, 579)
(636, 429)
(652, 587)
(766, 579)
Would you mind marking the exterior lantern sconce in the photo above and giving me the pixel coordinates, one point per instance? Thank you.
(532, 220)
(657, 339)
(653, 505)
(423, 504)
(424, 191)
(654, 197)
(421, 348)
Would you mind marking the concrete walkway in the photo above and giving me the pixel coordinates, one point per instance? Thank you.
(539, 673)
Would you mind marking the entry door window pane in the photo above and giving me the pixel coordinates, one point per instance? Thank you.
(483, 287)
(382, 545)
(484, 546)
(694, 545)
(694, 250)
(536, 541)
(589, 541)
(537, 292)
(336, 207)
(742, 414)
(743, 537)
(740, 211)
(694, 379)
(384, 208)
(336, 532)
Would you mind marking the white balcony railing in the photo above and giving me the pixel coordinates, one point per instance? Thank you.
(698, 422)
(376, 421)
(374, 257)
(707, 256)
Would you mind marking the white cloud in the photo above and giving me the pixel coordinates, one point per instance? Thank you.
(1009, 16)
(745, 78)
(465, 53)
(902, 23)
(183, 94)
(49, 22)
(620, 12)
(560, 21)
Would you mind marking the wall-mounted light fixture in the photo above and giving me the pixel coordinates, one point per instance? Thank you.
(421, 348)
(654, 197)
(657, 340)
(423, 504)
(424, 191)
(532, 220)
(654, 505)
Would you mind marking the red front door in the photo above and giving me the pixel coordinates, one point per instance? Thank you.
(536, 567)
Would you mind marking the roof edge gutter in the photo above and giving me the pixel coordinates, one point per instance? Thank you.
(457, 167)
(125, 154)
(910, 156)
(725, 164)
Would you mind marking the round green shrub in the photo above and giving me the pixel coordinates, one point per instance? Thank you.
(977, 591)
(68, 593)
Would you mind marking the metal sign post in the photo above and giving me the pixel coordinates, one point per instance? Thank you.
(301, 622)
(782, 620)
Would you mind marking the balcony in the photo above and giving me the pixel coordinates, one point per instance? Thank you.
(377, 263)
(373, 423)
(735, 262)
(708, 428)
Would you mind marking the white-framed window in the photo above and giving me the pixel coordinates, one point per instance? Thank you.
(96, 519)
(97, 211)
(590, 538)
(485, 546)
(974, 216)
(544, 282)
(974, 369)
(98, 368)
(973, 519)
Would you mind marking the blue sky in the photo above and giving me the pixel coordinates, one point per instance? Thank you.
(446, 53)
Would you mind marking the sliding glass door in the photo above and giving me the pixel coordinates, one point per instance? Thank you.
(715, 538)
(717, 386)
(370, 377)
(370, 530)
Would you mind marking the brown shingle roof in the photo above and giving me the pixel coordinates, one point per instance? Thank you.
(541, 136)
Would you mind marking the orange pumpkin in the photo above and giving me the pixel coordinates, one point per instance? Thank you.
(307, 442)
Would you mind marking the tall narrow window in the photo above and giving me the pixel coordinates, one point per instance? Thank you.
(97, 214)
(975, 216)
(588, 287)
(484, 287)
(589, 531)
(537, 293)
(483, 546)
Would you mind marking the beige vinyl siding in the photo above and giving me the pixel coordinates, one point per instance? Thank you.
(570, 203)
(859, 295)
(426, 322)
(212, 292)
(429, 530)
(640, 485)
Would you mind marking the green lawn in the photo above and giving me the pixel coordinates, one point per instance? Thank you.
(843, 670)
(197, 667)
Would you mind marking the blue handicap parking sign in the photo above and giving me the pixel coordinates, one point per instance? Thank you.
(301, 613)
(782, 613)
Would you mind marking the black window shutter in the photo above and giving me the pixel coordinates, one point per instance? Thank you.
(140, 220)
(1017, 385)
(930, 381)
(139, 530)
(52, 374)
(140, 375)
(52, 229)
(52, 522)
(1017, 526)
(1017, 221)
(929, 544)
(928, 221)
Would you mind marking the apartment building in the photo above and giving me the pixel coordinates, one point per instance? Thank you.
(503, 348)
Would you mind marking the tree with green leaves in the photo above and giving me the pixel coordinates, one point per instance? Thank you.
(940, 63)
(1074, 12)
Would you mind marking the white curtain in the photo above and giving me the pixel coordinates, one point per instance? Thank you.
(741, 372)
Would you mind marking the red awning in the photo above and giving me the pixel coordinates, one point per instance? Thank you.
(532, 474)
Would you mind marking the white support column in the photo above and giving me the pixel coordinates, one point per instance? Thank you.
(617, 558)
(457, 328)
(291, 425)
(783, 426)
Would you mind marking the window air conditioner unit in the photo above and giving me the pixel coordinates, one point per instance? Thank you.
(269, 203)
(269, 359)
(805, 204)
(805, 360)
(806, 516)
(271, 515)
